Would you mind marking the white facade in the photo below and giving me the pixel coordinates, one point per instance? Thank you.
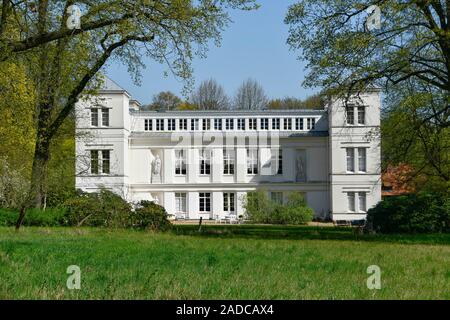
(202, 163)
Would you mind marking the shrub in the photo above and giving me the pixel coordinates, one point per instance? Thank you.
(104, 209)
(50, 217)
(149, 215)
(414, 213)
(260, 209)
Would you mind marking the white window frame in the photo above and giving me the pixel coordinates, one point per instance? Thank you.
(252, 124)
(252, 161)
(362, 160)
(171, 124)
(229, 202)
(182, 124)
(206, 124)
(204, 197)
(180, 162)
(361, 110)
(159, 124)
(101, 161)
(287, 124)
(148, 124)
(350, 160)
(241, 124)
(218, 124)
(94, 115)
(180, 202)
(229, 163)
(351, 202)
(350, 115)
(105, 117)
(276, 124)
(264, 124)
(299, 124)
(229, 124)
(195, 124)
(204, 162)
(362, 198)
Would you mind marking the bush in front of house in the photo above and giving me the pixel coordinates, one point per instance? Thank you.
(103, 209)
(413, 213)
(149, 215)
(260, 209)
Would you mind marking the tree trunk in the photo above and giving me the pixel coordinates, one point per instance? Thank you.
(40, 163)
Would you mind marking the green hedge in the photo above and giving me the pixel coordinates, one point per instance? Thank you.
(414, 213)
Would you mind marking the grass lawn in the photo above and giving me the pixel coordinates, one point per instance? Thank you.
(221, 262)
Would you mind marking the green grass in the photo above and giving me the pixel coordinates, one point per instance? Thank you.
(221, 262)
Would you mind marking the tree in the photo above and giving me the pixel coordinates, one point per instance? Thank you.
(165, 100)
(69, 66)
(408, 56)
(97, 15)
(250, 96)
(412, 44)
(210, 96)
(313, 102)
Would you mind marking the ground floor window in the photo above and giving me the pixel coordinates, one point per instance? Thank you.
(357, 201)
(277, 197)
(228, 202)
(180, 202)
(205, 202)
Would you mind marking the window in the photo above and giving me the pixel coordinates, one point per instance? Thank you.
(351, 201)
(180, 202)
(94, 161)
(180, 163)
(252, 124)
(362, 159)
(311, 123)
(277, 197)
(105, 161)
(228, 161)
(195, 124)
(361, 115)
(159, 124)
(94, 117)
(148, 125)
(280, 162)
(229, 124)
(350, 114)
(183, 124)
(171, 124)
(100, 165)
(204, 201)
(252, 161)
(264, 124)
(299, 124)
(350, 159)
(206, 124)
(105, 117)
(205, 162)
(228, 202)
(276, 124)
(241, 124)
(362, 201)
(217, 124)
(287, 124)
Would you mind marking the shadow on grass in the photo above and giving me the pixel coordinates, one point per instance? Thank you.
(268, 232)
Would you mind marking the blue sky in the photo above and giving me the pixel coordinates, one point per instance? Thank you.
(253, 46)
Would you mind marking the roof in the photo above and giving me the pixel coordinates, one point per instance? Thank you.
(218, 113)
(110, 86)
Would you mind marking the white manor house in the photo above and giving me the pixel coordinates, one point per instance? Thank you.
(202, 163)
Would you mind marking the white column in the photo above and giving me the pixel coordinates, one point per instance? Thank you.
(192, 205)
(217, 204)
